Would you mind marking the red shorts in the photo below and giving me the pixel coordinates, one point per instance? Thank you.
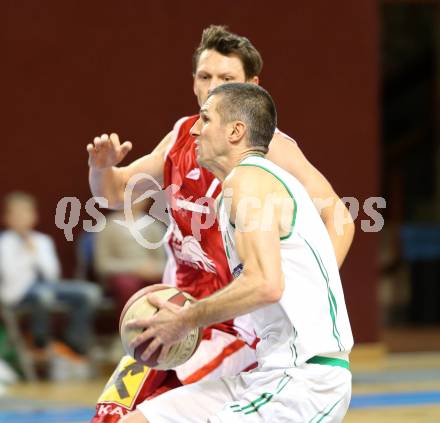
(219, 354)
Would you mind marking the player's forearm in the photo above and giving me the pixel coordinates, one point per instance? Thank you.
(107, 183)
(340, 227)
(242, 296)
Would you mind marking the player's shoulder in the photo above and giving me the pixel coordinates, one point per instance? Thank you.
(285, 152)
(179, 136)
(185, 120)
(280, 136)
(182, 126)
(248, 179)
(181, 129)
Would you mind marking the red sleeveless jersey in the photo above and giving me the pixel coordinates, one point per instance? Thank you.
(195, 241)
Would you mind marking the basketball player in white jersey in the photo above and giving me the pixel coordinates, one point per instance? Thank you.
(286, 277)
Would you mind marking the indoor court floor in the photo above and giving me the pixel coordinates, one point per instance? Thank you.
(401, 388)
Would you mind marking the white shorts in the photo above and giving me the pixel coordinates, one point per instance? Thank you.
(222, 354)
(312, 393)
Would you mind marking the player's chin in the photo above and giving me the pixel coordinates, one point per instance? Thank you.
(201, 98)
(199, 157)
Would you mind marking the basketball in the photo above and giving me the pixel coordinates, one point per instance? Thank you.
(139, 307)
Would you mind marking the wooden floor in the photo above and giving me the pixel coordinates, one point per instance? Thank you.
(402, 388)
(422, 414)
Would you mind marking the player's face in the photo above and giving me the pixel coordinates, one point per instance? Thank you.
(214, 69)
(210, 134)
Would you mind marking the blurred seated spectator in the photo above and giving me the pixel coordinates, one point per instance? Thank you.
(30, 278)
(124, 265)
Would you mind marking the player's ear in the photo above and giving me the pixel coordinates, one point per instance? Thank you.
(237, 131)
(254, 80)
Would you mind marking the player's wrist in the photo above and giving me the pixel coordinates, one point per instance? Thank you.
(190, 317)
(98, 169)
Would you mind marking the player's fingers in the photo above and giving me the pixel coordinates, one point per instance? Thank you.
(161, 304)
(97, 143)
(152, 347)
(138, 323)
(100, 142)
(103, 142)
(92, 153)
(126, 147)
(163, 353)
(114, 139)
(156, 301)
(141, 338)
(107, 143)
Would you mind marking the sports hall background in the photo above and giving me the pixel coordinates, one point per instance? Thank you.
(356, 84)
(77, 69)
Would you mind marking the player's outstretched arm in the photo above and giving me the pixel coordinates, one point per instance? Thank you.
(109, 181)
(336, 217)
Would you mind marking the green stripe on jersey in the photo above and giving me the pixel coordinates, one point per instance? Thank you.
(324, 413)
(282, 238)
(331, 297)
(263, 399)
(330, 292)
(329, 361)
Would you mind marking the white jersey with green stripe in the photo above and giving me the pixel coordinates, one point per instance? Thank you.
(311, 318)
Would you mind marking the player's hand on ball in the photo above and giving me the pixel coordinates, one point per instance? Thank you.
(107, 151)
(168, 326)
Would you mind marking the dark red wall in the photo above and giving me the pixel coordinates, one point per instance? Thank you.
(73, 70)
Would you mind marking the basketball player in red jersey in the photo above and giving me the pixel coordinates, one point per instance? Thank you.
(200, 265)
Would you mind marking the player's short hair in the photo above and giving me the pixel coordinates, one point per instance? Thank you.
(251, 104)
(218, 38)
(19, 197)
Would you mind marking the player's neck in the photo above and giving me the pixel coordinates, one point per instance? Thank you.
(251, 153)
(236, 158)
(223, 166)
(220, 168)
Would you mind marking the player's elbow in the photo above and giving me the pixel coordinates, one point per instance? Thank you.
(348, 230)
(115, 197)
(272, 290)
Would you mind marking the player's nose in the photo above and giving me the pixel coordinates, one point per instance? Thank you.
(215, 82)
(195, 130)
